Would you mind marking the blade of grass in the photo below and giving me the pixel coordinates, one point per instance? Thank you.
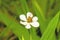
(53, 9)
(18, 12)
(43, 5)
(59, 36)
(24, 6)
(17, 29)
(34, 35)
(6, 20)
(39, 13)
(14, 7)
(39, 9)
(58, 30)
(51, 28)
(0, 2)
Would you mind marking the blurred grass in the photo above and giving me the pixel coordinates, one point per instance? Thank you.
(51, 28)
(47, 11)
(21, 32)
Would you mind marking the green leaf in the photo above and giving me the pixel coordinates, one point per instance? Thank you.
(59, 36)
(33, 34)
(53, 9)
(16, 28)
(24, 6)
(51, 28)
(0, 2)
(39, 9)
(44, 5)
(39, 13)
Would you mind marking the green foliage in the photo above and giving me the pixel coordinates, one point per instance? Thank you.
(47, 11)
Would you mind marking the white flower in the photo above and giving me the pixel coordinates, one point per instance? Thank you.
(29, 20)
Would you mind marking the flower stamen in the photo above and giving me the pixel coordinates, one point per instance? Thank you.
(29, 19)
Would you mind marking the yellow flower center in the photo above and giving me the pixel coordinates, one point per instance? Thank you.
(29, 19)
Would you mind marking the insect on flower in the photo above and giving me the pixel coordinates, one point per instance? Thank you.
(29, 20)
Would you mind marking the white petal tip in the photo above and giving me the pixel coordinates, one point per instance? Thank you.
(29, 14)
(23, 23)
(28, 26)
(23, 17)
(35, 19)
(35, 24)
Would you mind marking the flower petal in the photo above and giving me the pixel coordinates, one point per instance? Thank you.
(35, 24)
(23, 17)
(29, 14)
(35, 19)
(23, 23)
(28, 26)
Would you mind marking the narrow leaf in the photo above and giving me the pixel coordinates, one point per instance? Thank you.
(51, 28)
